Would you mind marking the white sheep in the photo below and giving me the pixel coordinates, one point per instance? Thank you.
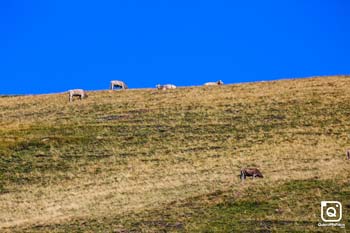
(117, 83)
(165, 87)
(218, 83)
(77, 92)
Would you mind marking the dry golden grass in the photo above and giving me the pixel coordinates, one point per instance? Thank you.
(136, 155)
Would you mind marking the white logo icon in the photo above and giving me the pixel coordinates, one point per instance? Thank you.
(331, 211)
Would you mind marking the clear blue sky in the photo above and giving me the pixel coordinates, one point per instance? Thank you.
(54, 45)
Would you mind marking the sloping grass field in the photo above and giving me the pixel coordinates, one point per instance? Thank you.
(168, 161)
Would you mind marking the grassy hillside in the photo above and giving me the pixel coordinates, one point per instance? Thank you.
(168, 161)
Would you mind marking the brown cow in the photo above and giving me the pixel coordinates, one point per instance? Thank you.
(253, 172)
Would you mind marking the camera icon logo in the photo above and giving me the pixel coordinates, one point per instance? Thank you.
(331, 211)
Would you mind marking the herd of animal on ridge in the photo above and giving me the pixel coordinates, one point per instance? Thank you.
(81, 94)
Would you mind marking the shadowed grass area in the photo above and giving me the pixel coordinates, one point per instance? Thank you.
(152, 161)
(268, 209)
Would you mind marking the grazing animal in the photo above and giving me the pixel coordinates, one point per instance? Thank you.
(165, 87)
(218, 83)
(348, 154)
(77, 92)
(116, 83)
(253, 172)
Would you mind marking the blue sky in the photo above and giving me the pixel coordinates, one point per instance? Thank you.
(56, 45)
